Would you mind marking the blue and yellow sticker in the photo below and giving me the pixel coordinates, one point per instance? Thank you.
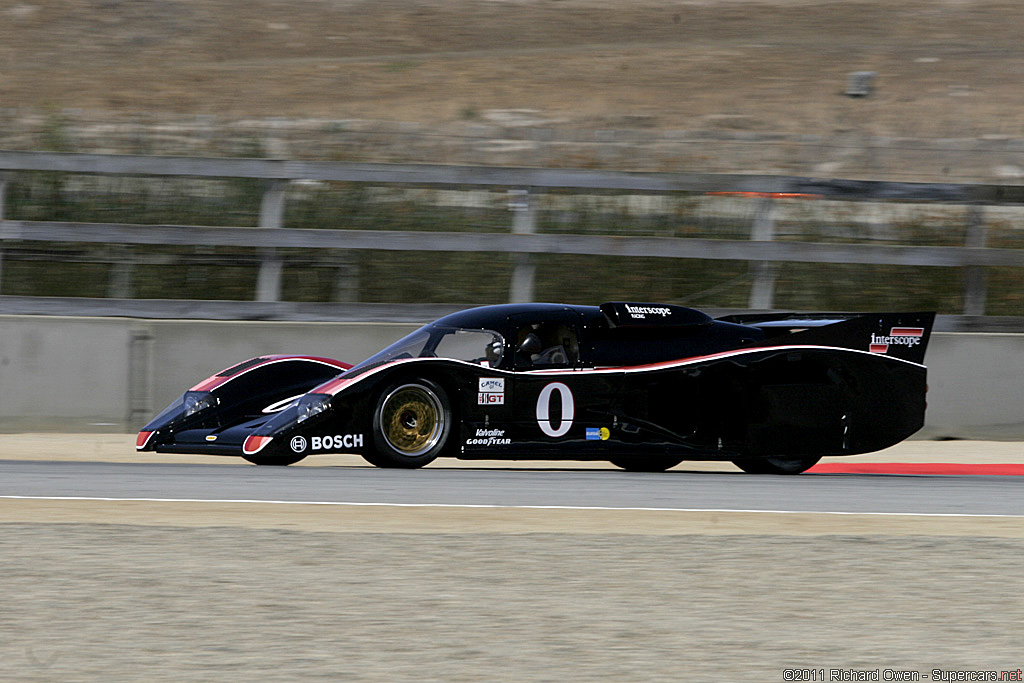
(595, 434)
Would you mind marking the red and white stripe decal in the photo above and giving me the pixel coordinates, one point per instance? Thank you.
(142, 439)
(664, 365)
(333, 386)
(211, 383)
(907, 332)
(336, 385)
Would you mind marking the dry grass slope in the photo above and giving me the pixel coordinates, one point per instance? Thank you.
(945, 69)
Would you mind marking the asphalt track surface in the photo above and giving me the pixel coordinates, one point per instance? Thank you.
(517, 488)
(125, 566)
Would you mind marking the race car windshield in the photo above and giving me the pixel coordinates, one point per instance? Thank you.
(481, 347)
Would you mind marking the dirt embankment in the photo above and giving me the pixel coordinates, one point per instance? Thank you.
(944, 69)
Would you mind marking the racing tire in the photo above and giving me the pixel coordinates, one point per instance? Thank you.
(776, 465)
(274, 460)
(645, 463)
(411, 424)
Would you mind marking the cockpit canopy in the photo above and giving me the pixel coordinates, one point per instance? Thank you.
(525, 337)
(477, 346)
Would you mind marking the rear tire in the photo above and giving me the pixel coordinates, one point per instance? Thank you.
(411, 425)
(645, 463)
(776, 465)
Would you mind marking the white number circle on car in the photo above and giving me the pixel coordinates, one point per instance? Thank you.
(544, 409)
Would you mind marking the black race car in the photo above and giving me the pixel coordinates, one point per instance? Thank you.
(644, 386)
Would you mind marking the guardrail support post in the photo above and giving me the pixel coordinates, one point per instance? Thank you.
(122, 268)
(268, 282)
(346, 284)
(3, 194)
(140, 378)
(975, 278)
(762, 289)
(524, 222)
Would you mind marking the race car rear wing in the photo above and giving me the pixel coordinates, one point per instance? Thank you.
(900, 335)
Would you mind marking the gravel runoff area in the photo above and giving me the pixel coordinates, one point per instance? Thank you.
(86, 602)
(107, 590)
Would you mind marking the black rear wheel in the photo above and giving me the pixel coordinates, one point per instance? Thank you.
(411, 424)
(776, 465)
(645, 463)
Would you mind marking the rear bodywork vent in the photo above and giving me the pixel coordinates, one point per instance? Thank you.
(245, 365)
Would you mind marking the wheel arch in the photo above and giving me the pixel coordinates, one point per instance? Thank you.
(412, 422)
(438, 374)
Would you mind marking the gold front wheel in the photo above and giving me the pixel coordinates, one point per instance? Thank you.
(411, 425)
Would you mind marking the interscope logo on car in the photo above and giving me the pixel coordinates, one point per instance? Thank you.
(898, 336)
(327, 443)
(641, 312)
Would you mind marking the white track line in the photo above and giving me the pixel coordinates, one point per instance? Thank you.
(505, 507)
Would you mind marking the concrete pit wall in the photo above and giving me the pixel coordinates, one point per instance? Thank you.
(113, 374)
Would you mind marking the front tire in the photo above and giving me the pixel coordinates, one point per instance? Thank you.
(273, 460)
(645, 463)
(411, 425)
(776, 465)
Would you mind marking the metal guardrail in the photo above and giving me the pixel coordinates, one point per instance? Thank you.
(297, 311)
(434, 174)
(595, 245)
(523, 239)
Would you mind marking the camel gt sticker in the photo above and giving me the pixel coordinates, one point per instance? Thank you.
(491, 391)
(898, 336)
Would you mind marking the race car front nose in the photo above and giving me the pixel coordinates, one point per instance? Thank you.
(254, 444)
(142, 440)
(311, 405)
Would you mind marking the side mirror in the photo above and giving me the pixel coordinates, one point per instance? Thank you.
(531, 344)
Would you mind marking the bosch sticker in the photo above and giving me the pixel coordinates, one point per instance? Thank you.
(337, 441)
